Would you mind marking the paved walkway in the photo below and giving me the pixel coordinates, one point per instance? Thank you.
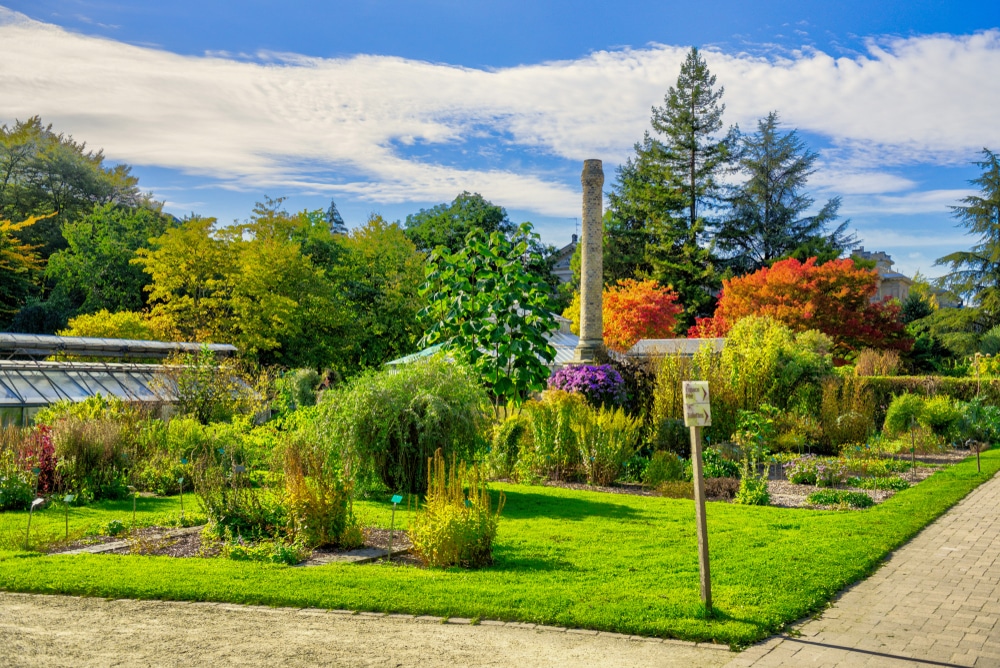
(936, 602)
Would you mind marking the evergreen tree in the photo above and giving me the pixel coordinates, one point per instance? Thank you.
(336, 221)
(659, 201)
(975, 273)
(766, 218)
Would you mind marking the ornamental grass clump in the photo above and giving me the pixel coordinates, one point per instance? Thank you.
(601, 385)
(607, 438)
(455, 528)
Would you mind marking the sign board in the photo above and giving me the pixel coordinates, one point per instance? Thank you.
(239, 468)
(697, 410)
(396, 498)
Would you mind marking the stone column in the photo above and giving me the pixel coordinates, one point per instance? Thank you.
(592, 264)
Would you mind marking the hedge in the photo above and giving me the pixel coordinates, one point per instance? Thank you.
(885, 388)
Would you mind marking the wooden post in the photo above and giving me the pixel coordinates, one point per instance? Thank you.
(698, 479)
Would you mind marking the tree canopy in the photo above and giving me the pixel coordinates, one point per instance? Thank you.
(449, 224)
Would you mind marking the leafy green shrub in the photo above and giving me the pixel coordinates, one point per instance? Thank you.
(606, 439)
(715, 465)
(508, 437)
(112, 528)
(554, 450)
(387, 423)
(753, 486)
(840, 498)
(231, 502)
(980, 422)
(211, 390)
(941, 415)
(97, 407)
(267, 551)
(296, 389)
(451, 528)
(904, 413)
(318, 493)
(663, 467)
(16, 482)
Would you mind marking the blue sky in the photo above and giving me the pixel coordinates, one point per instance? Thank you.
(393, 106)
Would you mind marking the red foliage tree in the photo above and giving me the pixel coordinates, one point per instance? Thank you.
(834, 297)
(635, 310)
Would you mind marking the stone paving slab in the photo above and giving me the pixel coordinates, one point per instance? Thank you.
(362, 555)
(935, 602)
(120, 544)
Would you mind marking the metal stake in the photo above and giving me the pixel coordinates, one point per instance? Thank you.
(31, 512)
(392, 522)
(181, 482)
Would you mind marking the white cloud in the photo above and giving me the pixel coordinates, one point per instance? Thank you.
(279, 119)
(928, 201)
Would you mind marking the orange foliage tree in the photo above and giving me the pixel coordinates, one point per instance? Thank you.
(834, 297)
(633, 310)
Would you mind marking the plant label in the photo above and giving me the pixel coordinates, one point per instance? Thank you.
(396, 498)
(697, 409)
(239, 468)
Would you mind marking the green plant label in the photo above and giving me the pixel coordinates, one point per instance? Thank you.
(70, 498)
(36, 470)
(184, 460)
(180, 481)
(396, 498)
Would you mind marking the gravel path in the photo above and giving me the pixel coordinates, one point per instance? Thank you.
(56, 631)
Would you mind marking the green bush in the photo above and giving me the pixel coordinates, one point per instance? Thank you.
(94, 456)
(606, 438)
(452, 529)
(980, 422)
(505, 450)
(387, 423)
(553, 451)
(715, 465)
(802, 471)
(231, 502)
(839, 498)
(904, 413)
(753, 485)
(941, 415)
(318, 494)
(879, 482)
(847, 412)
(663, 466)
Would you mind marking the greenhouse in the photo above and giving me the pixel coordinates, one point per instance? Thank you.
(35, 371)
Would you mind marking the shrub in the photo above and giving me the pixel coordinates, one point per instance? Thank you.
(941, 415)
(872, 362)
(715, 465)
(296, 389)
(318, 496)
(231, 502)
(601, 385)
(16, 483)
(607, 438)
(980, 422)
(830, 473)
(802, 471)
(753, 489)
(554, 450)
(663, 467)
(452, 528)
(839, 498)
(387, 423)
(638, 384)
(847, 412)
(267, 551)
(676, 489)
(722, 488)
(93, 457)
(904, 413)
(505, 449)
(210, 390)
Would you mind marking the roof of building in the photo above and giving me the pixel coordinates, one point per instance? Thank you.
(685, 347)
(28, 383)
(43, 345)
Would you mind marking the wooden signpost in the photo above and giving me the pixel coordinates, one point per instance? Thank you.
(698, 414)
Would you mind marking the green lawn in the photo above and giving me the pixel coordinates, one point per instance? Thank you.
(567, 558)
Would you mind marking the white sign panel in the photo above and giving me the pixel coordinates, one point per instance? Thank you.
(697, 410)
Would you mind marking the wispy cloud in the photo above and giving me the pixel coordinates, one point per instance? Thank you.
(278, 119)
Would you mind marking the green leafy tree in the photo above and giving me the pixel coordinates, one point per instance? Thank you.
(380, 279)
(42, 172)
(487, 307)
(449, 224)
(766, 220)
(975, 273)
(96, 267)
(19, 263)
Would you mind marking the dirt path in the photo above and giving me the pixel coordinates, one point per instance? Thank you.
(55, 631)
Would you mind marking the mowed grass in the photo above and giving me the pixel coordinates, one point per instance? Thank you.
(577, 559)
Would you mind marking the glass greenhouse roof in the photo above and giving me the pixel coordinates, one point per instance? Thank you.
(26, 384)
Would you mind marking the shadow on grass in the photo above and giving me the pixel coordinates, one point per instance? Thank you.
(526, 505)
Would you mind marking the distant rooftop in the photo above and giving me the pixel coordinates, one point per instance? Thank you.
(684, 347)
(42, 345)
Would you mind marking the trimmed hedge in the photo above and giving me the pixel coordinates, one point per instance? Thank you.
(885, 388)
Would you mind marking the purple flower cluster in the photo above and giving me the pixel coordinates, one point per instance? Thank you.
(602, 385)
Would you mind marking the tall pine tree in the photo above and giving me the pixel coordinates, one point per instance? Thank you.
(766, 221)
(661, 197)
(975, 273)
